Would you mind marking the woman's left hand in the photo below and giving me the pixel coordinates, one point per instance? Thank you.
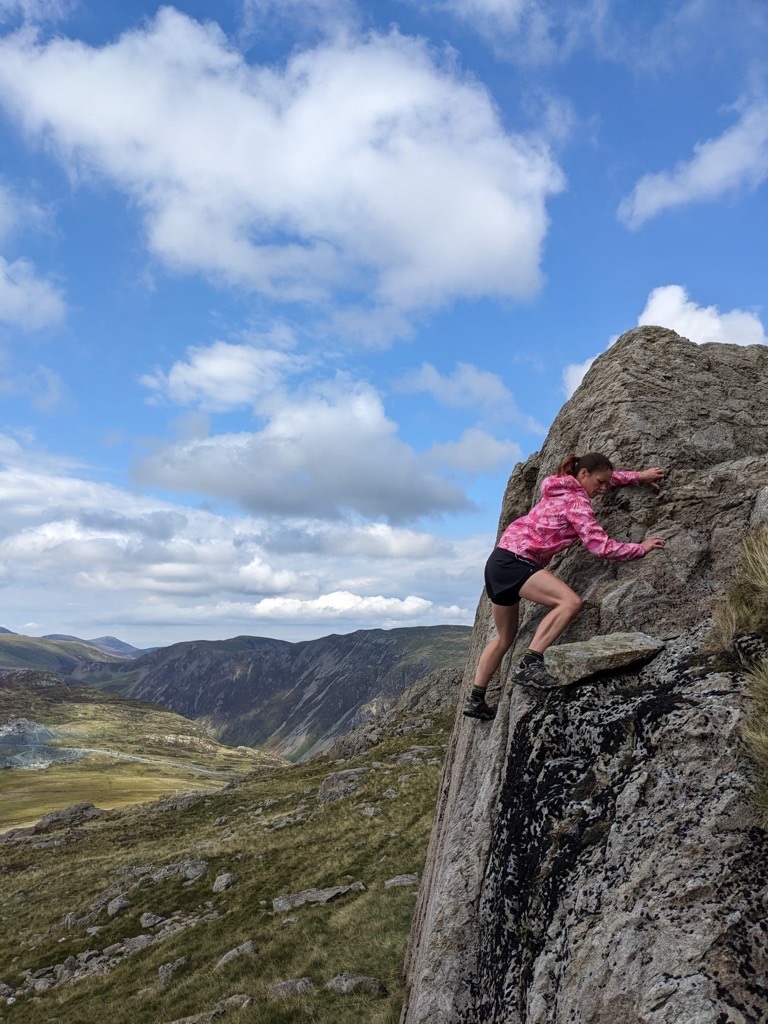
(652, 476)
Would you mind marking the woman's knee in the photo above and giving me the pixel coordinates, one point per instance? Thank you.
(505, 639)
(575, 604)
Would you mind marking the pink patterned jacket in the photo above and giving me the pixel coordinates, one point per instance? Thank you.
(562, 517)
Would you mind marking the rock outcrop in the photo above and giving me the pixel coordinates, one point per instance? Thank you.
(595, 856)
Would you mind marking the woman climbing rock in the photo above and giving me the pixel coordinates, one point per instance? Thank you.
(515, 569)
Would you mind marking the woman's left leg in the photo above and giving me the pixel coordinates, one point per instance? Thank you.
(505, 619)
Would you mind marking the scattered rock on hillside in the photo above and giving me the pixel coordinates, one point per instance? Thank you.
(225, 881)
(414, 755)
(221, 1008)
(339, 785)
(165, 972)
(117, 905)
(99, 962)
(284, 822)
(346, 983)
(150, 920)
(177, 803)
(399, 880)
(291, 987)
(570, 663)
(282, 904)
(64, 819)
(245, 949)
(190, 869)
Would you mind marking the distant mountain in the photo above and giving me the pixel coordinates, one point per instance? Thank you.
(4, 630)
(293, 698)
(63, 656)
(108, 644)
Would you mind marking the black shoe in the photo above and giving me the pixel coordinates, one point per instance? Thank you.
(475, 707)
(534, 675)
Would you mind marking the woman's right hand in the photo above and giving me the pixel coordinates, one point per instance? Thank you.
(652, 543)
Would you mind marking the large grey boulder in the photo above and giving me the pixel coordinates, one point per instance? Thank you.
(571, 662)
(290, 901)
(595, 857)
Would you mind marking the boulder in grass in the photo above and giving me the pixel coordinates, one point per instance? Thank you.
(221, 1009)
(401, 880)
(339, 785)
(150, 920)
(282, 904)
(570, 663)
(346, 983)
(165, 972)
(245, 949)
(290, 987)
(118, 905)
(224, 881)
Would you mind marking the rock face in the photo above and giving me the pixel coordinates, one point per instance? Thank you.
(595, 857)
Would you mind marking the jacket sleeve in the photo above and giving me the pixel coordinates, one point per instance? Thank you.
(624, 476)
(594, 538)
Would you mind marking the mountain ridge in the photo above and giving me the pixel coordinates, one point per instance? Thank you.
(290, 697)
(293, 698)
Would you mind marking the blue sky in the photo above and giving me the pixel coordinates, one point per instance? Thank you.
(287, 288)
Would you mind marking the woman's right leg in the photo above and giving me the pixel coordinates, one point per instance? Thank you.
(505, 618)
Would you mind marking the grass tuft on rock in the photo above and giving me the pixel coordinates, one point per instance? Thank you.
(744, 612)
(756, 732)
(744, 609)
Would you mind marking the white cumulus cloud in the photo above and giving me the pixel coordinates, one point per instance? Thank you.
(468, 387)
(27, 300)
(574, 374)
(326, 15)
(36, 10)
(736, 159)
(476, 452)
(670, 306)
(92, 558)
(222, 375)
(330, 451)
(361, 170)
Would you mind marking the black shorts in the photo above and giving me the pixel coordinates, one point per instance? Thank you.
(505, 573)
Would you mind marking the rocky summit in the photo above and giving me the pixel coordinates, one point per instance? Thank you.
(596, 856)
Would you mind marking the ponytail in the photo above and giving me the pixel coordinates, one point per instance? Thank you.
(592, 462)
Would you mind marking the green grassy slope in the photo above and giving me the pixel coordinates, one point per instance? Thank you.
(19, 651)
(176, 753)
(334, 844)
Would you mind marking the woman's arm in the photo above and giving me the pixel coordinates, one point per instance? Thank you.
(594, 538)
(652, 476)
